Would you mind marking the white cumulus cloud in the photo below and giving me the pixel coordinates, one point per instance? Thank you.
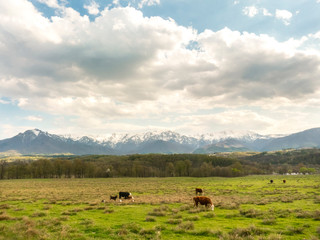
(50, 3)
(148, 3)
(93, 8)
(124, 66)
(250, 11)
(284, 15)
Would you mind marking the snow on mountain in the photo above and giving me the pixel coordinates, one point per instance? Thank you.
(37, 141)
(138, 138)
(149, 136)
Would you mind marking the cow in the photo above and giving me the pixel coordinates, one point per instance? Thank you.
(113, 197)
(125, 195)
(271, 181)
(284, 181)
(203, 201)
(199, 190)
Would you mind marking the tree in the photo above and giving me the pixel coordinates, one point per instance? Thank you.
(3, 163)
(170, 169)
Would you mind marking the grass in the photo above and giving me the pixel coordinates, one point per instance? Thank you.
(245, 208)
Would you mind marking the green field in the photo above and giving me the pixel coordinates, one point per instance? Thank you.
(245, 208)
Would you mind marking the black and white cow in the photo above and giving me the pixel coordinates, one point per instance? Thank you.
(125, 195)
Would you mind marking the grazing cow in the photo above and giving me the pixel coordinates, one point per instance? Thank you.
(113, 197)
(203, 201)
(199, 190)
(125, 195)
(271, 181)
(284, 181)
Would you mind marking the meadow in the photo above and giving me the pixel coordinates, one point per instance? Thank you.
(245, 208)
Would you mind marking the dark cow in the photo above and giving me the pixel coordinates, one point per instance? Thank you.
(284, 181)
(125, 195)
(203, 201)
(271, 181)
(113, 197)
(199, 190)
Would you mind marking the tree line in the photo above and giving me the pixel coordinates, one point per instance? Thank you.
(101, 166)
(158, 165)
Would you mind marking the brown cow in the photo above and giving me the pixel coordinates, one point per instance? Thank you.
(199, 190)
(284, 181)
(203, 201)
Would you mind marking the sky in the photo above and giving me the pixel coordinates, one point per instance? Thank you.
(97, 67)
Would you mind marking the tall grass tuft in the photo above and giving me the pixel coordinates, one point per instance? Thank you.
(39, 214)
(294, 230)
(5, 217)
(185, 226)
(269, 221)
(246, 232)
(207, 233)
(150, 219)
(251, 213)
(210, 215)
(174, 221)
(4, 206)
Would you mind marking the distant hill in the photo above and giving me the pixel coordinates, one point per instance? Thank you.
(39, 142)
(228, 145)
(306, 139)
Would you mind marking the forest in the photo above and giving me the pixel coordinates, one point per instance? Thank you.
(304, 161)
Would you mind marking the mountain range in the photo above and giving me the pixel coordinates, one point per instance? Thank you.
(40, 142)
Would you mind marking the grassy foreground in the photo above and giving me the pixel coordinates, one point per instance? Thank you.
(245, 208)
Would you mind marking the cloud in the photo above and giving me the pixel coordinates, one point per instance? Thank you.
(93, 8)
(254, 67)
(266, 12)
(50, 3)
(124, 66)
(4, 101)
(250, 11)
(148, 3)
(284, 15)
(34, 118)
